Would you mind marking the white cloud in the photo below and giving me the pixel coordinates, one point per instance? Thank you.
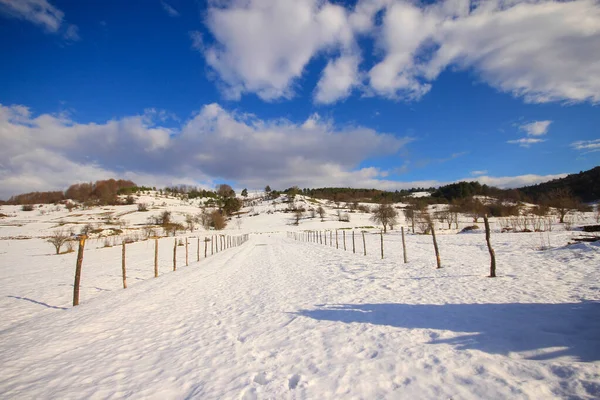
(50, 151)
(263, 46)
(479, 172)
(525, 142)
(338, 79)
(539, 50)
(507, 182)
(536, 128)
(39, 12)
(589, 145)
(169, 9)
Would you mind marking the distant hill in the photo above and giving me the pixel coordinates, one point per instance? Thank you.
(584, 185)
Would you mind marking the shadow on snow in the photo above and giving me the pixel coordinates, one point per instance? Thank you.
(567, 329)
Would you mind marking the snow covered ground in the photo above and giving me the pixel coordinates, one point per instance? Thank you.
(277, 318)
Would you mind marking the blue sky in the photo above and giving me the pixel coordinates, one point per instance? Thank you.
(371, 93)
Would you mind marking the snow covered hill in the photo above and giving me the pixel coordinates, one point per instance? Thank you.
(279, 318)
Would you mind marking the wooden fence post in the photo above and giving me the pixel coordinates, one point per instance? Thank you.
(435, 247)
(404, 247)
(123, 267)
(205, 247)
(175, 256)
(364, 242)
(198, 250)
(78, 270)
(381, 235)
(489, 244)
(330, 238)
(156, 257)
(186, 252)
(336, 239)
(353, 246)
(212, 240)
(344, 233)
(325, 238)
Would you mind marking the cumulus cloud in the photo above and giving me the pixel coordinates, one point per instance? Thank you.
(41, 13)
(479, 172)
(539, 50)
(338, 79)
(536, 128)
(51, 151)
(262, 46)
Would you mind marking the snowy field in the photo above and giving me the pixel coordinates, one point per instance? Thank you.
(277, 318)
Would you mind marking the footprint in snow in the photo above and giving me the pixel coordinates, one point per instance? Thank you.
(293, 382)
(261, 378)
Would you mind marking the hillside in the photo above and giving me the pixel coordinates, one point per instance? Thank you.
(585, 185)
(281, 318)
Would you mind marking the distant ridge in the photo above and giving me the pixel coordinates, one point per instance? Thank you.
(585, 185)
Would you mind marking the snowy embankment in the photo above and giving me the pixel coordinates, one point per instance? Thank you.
(277, 318)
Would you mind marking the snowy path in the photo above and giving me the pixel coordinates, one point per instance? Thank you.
(277, 319)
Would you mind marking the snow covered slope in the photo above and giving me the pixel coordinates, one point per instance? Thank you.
(277, 318)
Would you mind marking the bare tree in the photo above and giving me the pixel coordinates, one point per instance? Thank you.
(59, 238)
(410, 215)
(190, 221)
(204, 218)
(475, 209)
(564, 202)
(424, 221)
(218, 220)
(297, 216)
(225, 191)
(321, 212)
(384, 214)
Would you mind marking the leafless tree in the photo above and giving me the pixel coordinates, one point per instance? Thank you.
(205, 218)
(424, 221)
(218, 220)
(297, 216)
(59, 238)
(190, 221)
(410, 215)
(564, 202)
(321, 212)
(385, 215)
(225, 191)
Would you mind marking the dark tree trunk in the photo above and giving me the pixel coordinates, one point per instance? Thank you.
(489, 244)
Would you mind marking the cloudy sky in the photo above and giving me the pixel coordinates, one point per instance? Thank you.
(370, 93)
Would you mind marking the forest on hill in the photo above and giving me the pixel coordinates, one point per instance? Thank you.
(584, 186)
